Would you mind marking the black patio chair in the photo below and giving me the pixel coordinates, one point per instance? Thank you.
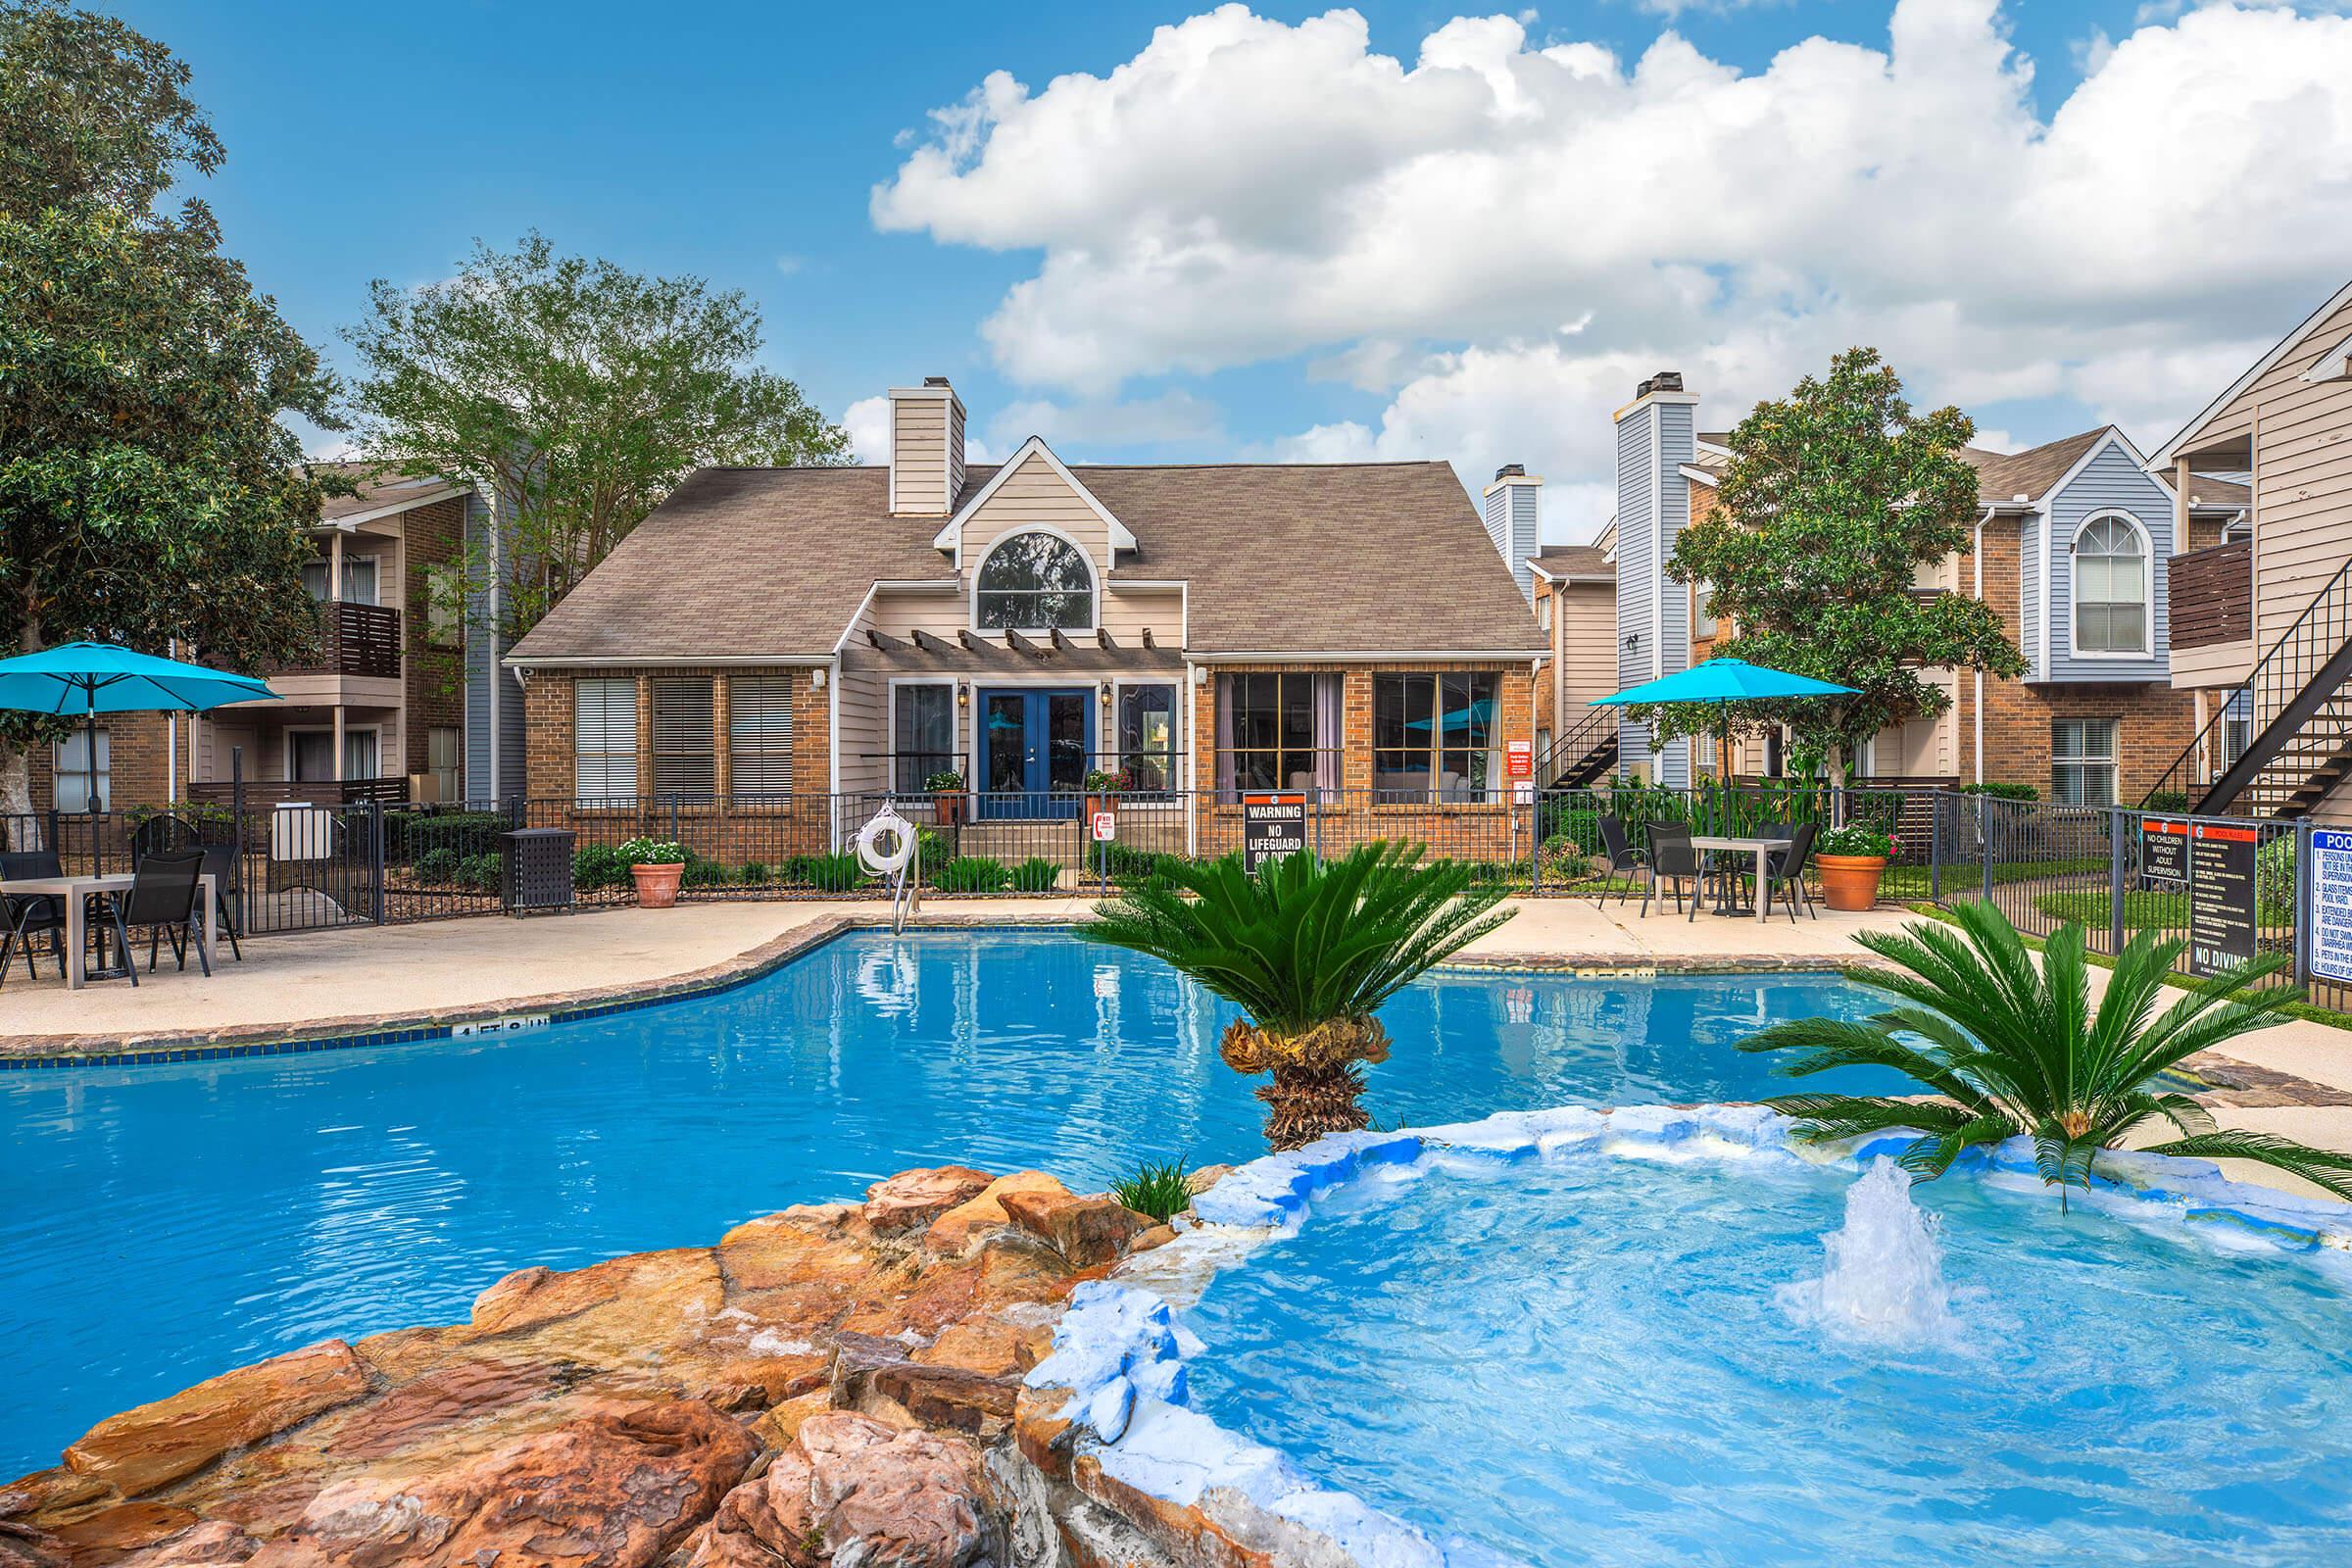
(1623, 855)
(1784, 871)
(1673, 857)
(165, 832)
(165, 898)
(30, 915)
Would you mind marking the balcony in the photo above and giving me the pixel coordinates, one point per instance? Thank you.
(2213, 595)
(354, 639)
(263, 793)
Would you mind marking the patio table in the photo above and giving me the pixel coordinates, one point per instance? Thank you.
(1760, 847)
(76, 890)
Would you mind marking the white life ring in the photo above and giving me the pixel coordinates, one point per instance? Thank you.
(878, 860)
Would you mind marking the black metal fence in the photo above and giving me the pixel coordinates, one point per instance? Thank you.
(308, 868)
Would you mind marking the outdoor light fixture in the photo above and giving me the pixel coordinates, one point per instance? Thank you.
(964, 695)
(1106, 688)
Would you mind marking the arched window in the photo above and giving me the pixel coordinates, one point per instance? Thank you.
(1036, 582)
(2110, 586)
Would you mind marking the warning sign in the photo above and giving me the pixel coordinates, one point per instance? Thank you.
(2164, 855)
(1107, 827)
(1272, 826)
(1519, 758)
(2221, 896)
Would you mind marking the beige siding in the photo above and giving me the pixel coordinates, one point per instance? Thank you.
(918, 456)
(2303, 477)
(1584, 626)
(1031, 496)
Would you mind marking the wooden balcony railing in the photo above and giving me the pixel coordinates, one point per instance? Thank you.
(267, 792)
(353, 640)
(2213, 595)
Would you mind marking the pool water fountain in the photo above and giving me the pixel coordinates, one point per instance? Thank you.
(1885, 1275)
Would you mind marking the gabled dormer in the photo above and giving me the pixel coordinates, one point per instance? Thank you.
(1034, 547)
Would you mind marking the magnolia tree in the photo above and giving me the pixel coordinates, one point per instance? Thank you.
(1833, 498)
(148, 492)
(581, 392)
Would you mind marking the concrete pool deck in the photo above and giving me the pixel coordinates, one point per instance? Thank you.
(366, 980)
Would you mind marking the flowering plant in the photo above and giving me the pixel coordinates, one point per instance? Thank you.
(653, 852)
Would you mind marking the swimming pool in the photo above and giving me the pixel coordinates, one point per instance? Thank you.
(1638, 1361)
(163, 1223)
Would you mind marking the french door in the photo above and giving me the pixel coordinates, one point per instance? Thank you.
(1033, 750)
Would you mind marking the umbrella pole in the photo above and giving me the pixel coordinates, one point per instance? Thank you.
(89, 759)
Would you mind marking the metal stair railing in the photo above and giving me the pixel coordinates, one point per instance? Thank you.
(1574, 745)
(2290, 684)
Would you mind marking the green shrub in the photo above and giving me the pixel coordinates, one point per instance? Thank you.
(413, 835)
(1160, 1190)
(1855, 838)
(832, 873)
(1037, 874)
(702, 873)
(437, 866)
(971, 873)
(599, 865)
(2274, 877)
(1128, 864)
(1564, 857)
(479, 872)
(2166, 801)
(2008, 791)
(755, 873)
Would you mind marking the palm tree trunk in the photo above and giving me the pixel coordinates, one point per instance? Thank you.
(1302, 1103)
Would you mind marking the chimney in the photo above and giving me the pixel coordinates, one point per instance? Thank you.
(926, 448)
(1513, 506)
(1656, 434)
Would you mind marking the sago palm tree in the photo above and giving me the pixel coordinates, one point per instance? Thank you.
(1308, 951)
(2016, 1050)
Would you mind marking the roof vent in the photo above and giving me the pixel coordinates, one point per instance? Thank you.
(935, 380)
(1511, 470)
(1666, 382)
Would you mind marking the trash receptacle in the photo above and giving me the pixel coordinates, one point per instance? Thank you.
(537, 870)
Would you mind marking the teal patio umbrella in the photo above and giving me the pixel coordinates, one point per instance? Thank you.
(85, 679)
(1721, 682)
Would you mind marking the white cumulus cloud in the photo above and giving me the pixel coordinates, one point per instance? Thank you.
(1500, 237)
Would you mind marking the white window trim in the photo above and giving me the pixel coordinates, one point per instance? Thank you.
(2147, 590)
(636, 728)
(292, 730)
(1094, 573)
(2111, 759)
(1180, 714)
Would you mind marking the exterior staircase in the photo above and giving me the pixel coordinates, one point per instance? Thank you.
(1583, 755)
(2298, 700)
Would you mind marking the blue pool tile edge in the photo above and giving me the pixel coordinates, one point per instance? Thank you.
(1119, 1351)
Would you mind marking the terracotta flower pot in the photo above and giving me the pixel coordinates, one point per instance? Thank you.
(1851, 881)
(947, 808)
(657, 885)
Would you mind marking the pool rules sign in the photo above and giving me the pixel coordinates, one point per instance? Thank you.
(2331, 904)
(2221, 896)
(1272, 826)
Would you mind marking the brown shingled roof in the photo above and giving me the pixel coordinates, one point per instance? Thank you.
(1280, 558)
(2003, 474)
(1573, 561)
(379, 487)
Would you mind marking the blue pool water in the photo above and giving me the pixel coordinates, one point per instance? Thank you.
(1606, 1361)
(165, 1223)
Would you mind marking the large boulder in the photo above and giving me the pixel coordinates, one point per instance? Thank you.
(955, 1232)
(618, 1488)
(156, 1443)
(1086, 1232)
(919, 1196)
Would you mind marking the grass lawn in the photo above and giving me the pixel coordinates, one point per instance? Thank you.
(2143, 910)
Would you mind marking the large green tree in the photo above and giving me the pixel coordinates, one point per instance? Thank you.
(1833, 497)
(581, 391)
(148, 491)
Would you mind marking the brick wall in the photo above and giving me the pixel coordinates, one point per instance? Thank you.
(2153, 721)
(547, 720)
(137, 749)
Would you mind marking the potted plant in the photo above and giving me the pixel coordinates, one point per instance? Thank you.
(1851, 859)
(1103, 783)
(946, 796)
(656, 864)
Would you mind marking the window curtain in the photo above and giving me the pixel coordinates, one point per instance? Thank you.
(1329, 729)
(1225, 735)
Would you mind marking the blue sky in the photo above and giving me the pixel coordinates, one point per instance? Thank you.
(744, 142)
